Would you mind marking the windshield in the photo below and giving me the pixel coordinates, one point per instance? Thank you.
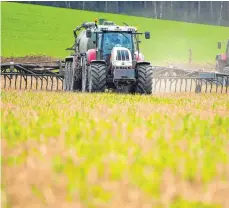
(113, 39)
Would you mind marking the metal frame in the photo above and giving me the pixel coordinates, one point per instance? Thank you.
(50, 76)
(173, 80)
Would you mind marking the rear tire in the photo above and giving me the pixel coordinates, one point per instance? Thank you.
(77, 80)
(84, 83)
(72, 77)
(226, 70)
(144, 79)
(226, 79)
(67, 76)
(219, 66)
(97, 77)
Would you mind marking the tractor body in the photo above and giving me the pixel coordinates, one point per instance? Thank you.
(107, 56)
(222, 60)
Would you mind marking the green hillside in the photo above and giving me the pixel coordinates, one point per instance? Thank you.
(40, 30)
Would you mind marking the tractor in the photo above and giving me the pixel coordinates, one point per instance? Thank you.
(222, 60)
(106, 56)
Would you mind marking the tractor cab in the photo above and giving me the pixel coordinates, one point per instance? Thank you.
(109, 37)
(112, 39)
(222, 60)
(227, 47)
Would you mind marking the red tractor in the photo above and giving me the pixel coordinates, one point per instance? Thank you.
(107, 56)
(222, 60)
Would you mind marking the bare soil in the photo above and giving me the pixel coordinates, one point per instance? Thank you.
(26, 59)
(194, 65)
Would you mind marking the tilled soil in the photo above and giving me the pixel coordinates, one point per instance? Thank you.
(190, 66)
(26, 59)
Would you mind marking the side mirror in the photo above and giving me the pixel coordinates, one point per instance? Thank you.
(88, 33)
(219, 45)
(147, 35)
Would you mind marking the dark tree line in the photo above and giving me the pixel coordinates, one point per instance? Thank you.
(204, 12)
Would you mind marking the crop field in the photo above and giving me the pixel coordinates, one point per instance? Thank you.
(94, 150)
(39, 30)
(110, 150)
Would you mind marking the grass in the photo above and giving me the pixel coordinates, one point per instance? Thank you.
(109, 150)
(40, 30)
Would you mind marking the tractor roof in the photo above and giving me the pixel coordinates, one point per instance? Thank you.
(105, 25)
(116, 28)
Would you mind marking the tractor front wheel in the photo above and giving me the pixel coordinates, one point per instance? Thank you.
(67, 76)
(144, 79)
(97, 77)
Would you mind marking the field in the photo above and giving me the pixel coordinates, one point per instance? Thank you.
(109, 150)
(40, 30)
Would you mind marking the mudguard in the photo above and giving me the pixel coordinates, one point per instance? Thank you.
(99, 61)
(139, 56)
(69, 58)
(142, 62)
(91, 55)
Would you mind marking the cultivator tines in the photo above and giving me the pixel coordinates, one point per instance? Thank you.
(50, 75)
(31, 76)
(171, 80)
